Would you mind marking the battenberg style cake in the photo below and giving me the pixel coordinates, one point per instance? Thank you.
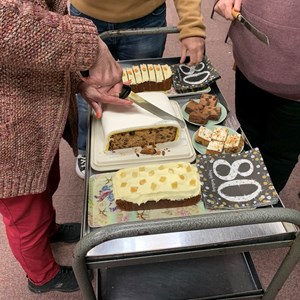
(149, 77)
(154, 186)
(126, 127)
(188, 79)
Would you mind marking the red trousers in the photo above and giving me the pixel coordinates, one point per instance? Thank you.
(29, 222)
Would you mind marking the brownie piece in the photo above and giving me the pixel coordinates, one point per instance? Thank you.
(192, 105)
(214, 113)
(208, 100)
(198, 117)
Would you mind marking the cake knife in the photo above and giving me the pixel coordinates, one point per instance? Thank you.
(127, 93)
(260, 35)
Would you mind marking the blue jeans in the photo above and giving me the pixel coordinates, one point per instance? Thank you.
(123, 48)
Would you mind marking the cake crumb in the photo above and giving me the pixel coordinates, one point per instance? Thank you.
(148, 149)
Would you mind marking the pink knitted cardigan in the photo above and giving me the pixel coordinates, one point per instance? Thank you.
(41, 49)
(274, 68)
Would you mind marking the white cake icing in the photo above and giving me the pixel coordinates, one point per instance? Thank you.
(124, 76)
(145, 73)
(219, 134)
(117, 119)
(137, 74)
(159, 73)
(130, 75)
(166, 71)
(151, 72)
(174, 181)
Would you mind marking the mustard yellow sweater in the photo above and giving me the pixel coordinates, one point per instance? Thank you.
(118, 11)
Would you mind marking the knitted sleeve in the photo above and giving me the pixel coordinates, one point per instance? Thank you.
(35, 38)
(190, 18)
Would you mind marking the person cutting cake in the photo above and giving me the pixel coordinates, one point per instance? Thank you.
(132, 14)
(42, 51)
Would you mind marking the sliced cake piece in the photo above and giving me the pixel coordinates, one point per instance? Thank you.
(145, 76)
(215, 147)
(130, 76)
(192, 105)
(203, 136)
(159, 77)
(219, 134)
(152, 77)
(124, 76)
(198, 117)
(214, 113)
(137, 87)
(234, 143)
(208, 99)
(167, 72)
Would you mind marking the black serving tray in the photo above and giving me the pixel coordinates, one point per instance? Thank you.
(173, 62)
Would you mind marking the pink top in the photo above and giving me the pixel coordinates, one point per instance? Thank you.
(274, 68)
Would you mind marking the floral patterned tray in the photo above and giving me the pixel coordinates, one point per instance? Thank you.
(102, 209)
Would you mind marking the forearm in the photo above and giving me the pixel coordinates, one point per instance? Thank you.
(191, 23)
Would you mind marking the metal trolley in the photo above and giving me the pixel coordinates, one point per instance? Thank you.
(195, 257)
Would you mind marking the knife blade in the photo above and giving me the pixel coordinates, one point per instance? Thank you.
(127, 93)
(260, 35)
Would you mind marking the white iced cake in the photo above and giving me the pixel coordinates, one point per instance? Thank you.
(133, 126)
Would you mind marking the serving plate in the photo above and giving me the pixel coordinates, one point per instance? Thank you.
(202, 149)
(209, 122)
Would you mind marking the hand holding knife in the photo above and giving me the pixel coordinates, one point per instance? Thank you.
(260, 35)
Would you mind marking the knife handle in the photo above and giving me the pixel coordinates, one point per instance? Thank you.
(235, 13)
(85, 73)
(126, 90)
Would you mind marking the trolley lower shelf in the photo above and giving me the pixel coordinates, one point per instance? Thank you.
(232, 276)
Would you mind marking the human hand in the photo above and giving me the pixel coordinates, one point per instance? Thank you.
(106, 72)
(94, 96)
(195, 46)
(224, 7)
